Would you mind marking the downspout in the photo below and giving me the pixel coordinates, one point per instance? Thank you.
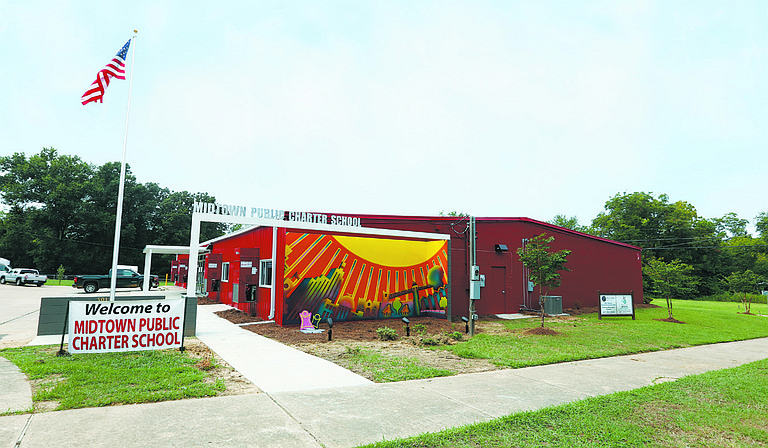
(274, 270)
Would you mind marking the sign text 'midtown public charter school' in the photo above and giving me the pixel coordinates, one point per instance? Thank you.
(101, 327)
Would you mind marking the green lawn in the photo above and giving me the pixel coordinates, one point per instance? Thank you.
(385, 369)
(587, 337)
(90, 380)
(721, 408)
(55, 282)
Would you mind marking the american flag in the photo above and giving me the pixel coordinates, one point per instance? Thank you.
(114, 69)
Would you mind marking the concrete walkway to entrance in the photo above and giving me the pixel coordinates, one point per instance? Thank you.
(270, 365)
(313, 408)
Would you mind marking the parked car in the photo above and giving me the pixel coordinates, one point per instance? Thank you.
(126, 278)
(23, 276)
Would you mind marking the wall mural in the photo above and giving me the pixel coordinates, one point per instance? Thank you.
(347, 278)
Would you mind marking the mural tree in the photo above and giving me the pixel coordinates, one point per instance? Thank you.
(544, 265)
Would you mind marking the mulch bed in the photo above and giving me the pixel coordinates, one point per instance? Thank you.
(361, 330)
(365, 330)
(238, 317)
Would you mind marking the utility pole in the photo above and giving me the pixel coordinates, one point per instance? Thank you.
(474, 276)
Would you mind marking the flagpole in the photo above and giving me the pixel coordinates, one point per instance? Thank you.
(121, 190)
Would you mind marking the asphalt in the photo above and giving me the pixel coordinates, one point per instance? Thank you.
(312, 403)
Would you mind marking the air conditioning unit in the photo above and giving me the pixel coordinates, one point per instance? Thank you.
(553, 305)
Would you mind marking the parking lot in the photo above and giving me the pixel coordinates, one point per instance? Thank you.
(19, 307)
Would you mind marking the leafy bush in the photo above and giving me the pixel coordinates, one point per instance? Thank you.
(350, 351)
(731, 297)
(420, 329)
(430, 342)
(456, 335)
(387, 334)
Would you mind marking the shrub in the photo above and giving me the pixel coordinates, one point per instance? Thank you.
(430, 342)
(387, 334)
(420, 328)
(456, 335)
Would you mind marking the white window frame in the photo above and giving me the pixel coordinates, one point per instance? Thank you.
(265, 273)
(225, 272)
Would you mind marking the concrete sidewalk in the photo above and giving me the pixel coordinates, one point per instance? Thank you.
(270, 365)
(311, 407)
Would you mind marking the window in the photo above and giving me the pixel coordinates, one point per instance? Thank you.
(265, 278)
(225, 272)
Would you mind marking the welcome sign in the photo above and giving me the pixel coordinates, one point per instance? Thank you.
(102, 327)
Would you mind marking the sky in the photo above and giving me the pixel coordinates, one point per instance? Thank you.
(492, 108)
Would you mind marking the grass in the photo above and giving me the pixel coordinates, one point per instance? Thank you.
(720, 408)
(91, 380)
(55, 282)
(385, 369)
(587, 337)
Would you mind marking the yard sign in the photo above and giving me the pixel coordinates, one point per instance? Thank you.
(102, 327)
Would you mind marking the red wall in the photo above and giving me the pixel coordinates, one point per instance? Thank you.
(596, 264)
(260, 238)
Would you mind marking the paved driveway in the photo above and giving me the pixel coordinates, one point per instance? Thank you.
(19, 307)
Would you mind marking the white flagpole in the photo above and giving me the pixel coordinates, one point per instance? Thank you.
(121, 190)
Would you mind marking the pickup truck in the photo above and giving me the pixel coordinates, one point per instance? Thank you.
(23, 276)
(126, 278)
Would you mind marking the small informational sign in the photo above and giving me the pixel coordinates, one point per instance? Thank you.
(213, 265)
(246, 264)
(102, 327)
(616, 305)
(254, 271)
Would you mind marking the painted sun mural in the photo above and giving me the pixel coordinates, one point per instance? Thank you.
(347, 278)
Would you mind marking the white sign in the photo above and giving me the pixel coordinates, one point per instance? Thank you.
(102, 327)
(615, 304)
(246, 264)
(212, 265)
(274, 214)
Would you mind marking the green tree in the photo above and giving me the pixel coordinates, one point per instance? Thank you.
(46, 193)
(745, 283)
(669, 231)
(761, 225)
(731, 225)
(673, 280)
(569, 223)
(61, 211)
(544, 265)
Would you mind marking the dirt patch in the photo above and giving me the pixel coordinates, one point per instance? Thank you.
(362, 330)
(237, 317)
(426, 336)
(339, 352)
(236, 384)
(671, 320)
(546, 331)
(206, 301)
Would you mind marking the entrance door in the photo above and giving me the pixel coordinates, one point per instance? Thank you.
(493, 298)
(201, 287)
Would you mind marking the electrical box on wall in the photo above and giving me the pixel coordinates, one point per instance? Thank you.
(482, 280)
(474, 272)
(474, 290)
